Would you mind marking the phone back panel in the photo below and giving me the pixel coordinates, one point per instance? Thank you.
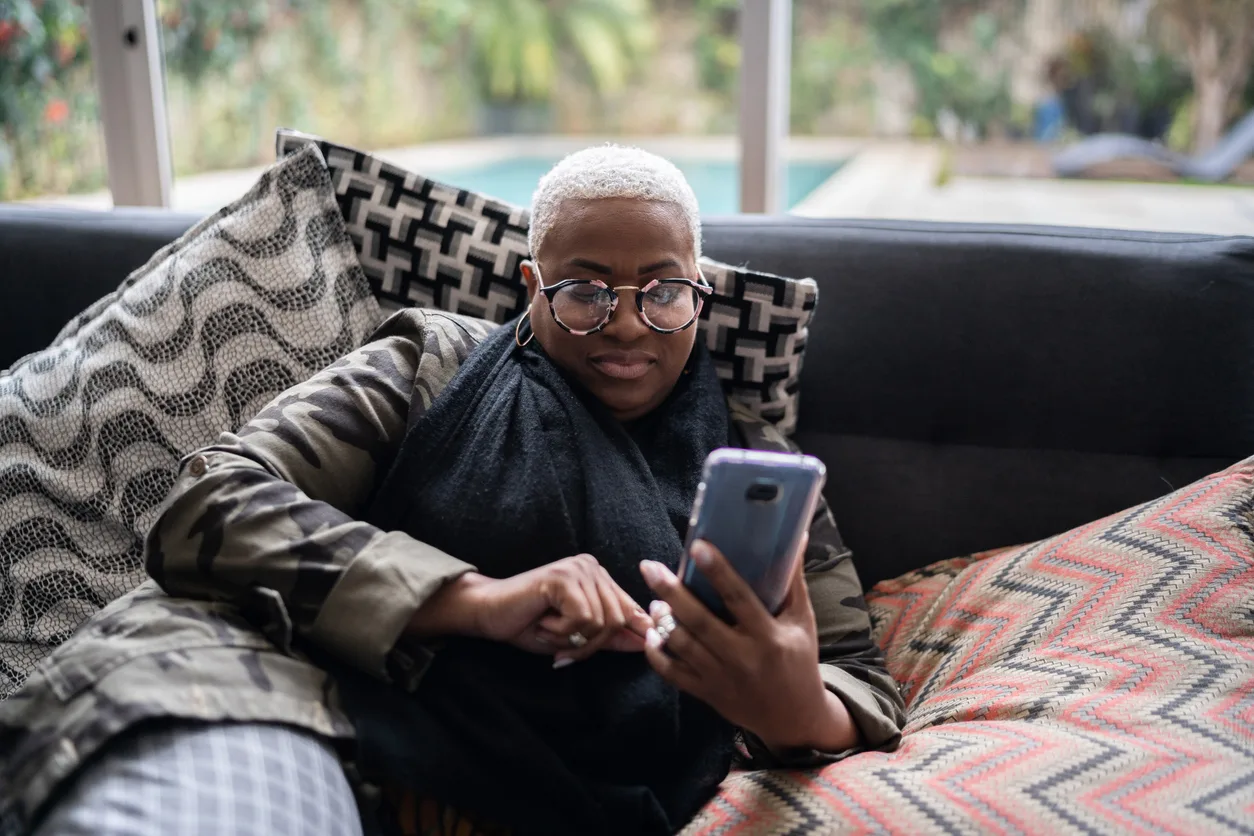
(755, 507)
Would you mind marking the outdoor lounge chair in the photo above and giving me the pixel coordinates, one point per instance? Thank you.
(1214, 166)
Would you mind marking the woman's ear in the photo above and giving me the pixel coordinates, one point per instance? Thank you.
(531, 276)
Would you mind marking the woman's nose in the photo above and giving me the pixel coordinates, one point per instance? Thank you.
(626, 324)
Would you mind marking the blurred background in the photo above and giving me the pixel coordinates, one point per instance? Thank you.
(940, 109)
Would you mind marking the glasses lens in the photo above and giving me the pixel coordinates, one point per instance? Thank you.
(582, 307)
(671, 306)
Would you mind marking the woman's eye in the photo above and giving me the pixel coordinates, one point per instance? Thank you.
(585, 293)
(664, 295)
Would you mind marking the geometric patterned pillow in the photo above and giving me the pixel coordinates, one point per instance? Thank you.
(249, 302)
(426, 244)
(1100, 681)
(903, 603)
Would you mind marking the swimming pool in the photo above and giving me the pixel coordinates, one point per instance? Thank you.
(717, 183)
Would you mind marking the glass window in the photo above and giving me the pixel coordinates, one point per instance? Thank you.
(50, 139)
(484, 94)
(986, 110)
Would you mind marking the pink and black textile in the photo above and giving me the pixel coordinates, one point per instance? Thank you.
(1101, 681)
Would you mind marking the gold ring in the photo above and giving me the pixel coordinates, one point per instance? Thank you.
(577, 639)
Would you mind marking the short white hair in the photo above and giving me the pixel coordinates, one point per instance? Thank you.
(611, 171)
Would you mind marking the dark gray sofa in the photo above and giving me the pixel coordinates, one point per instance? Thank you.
(968, 386)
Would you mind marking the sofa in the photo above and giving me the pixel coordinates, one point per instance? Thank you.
(970, 388)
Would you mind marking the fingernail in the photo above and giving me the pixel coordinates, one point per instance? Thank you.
(656, 608)
(701, 554)
(653, 638)
(562, 662)
(650, 572)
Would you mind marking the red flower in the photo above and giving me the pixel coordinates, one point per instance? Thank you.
(8, 29)
(56, 112)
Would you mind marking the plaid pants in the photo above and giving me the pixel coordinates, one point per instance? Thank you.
(229, 779)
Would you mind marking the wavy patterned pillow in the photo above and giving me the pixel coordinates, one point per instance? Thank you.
(426, 244)
(1101, 681)
(249, 302)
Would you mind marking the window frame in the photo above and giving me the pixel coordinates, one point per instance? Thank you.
(130, 78)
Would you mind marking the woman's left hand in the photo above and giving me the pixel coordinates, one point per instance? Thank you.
(761, 674)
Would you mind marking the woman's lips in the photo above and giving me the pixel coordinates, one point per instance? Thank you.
(623, 365)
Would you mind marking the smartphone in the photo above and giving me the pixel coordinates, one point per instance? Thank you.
(755, 506)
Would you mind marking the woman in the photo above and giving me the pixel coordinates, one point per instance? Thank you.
(462, 529)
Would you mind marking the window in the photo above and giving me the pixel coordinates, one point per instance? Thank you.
(485, 94)
(50, 140)
(948, 110)
(959, 110)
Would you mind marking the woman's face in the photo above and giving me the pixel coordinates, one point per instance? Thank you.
(621, 241)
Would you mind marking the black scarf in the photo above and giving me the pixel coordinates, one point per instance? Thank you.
(516, 465)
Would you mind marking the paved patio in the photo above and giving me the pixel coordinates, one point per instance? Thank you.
(904, 182)
(891, 180)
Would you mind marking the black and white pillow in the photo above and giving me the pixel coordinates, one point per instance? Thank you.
(426, 244)
(251, 301)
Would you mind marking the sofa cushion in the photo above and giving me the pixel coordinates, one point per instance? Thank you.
(249, 302)
(426, 244)
(1101, 680)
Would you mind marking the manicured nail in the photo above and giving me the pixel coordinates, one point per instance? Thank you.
(562, 662)
(649, 570)
(701, 554)
(653, 638)
(657, 608)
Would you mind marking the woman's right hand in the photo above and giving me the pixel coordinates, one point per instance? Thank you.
(540, 610)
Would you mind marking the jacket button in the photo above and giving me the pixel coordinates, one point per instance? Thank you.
(64, 757)
(197, 467)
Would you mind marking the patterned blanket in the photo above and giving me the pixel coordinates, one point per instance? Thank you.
(1101, 681)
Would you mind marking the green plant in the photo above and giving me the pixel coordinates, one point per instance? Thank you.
(717, 45)
(1180, 132)
(1123, 86)
(966, 84)
(831, 59)
(208, 38)
(515, 49)
(236, 68)
(945, 171)
(47, 103)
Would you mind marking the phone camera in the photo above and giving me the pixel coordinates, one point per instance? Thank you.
(762, 490)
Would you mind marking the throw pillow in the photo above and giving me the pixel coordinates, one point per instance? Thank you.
(902, 603)
(426, 244)
(249, 302)
(1099, 681)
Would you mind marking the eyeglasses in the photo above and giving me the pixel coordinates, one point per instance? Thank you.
(585, 306)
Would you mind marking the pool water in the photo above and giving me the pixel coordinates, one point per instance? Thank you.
(717, 184)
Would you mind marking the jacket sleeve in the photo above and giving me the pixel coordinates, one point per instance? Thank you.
(851, 664)
(267, 518)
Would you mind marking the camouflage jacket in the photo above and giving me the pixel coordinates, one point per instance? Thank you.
(260, 549)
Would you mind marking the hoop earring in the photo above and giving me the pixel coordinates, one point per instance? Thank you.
(526, 317)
